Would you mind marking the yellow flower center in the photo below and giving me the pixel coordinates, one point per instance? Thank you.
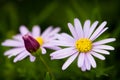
(40, 40)
(83, 45)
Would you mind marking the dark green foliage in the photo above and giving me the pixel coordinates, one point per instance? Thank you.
(14, 13)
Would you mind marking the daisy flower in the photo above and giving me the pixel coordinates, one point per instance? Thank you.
(27, 43)
(82, 44)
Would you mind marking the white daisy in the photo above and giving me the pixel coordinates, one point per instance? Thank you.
(83, 44)
(27, 42)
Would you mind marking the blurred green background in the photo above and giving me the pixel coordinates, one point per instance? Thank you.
(14, 13)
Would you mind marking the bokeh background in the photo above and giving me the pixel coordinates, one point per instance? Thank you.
(14, 13)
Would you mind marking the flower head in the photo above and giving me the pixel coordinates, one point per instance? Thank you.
(83, 44)
(27, 42)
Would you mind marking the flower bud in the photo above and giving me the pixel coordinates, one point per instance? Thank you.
(31, 44)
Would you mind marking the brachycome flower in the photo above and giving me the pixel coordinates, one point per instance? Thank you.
(27, 43)
(83, 45)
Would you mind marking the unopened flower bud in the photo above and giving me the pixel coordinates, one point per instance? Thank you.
(31, 44)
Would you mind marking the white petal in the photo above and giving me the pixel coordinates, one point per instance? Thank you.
(72, 30)
(64, 54)
(43, 50)
(13, 43)
(104, 47)
(46, 32)
(61, 51)
(91, 60)
(36, 31)
(24, 55)
(87, 64)
(94, 25)
(32, 58)
(53, 47)
(52, 33)
(98, 30)
(68, 37)
(104, 41)
(101, 51)
(23, 30)
(20, 56)
(69, 61)
(102, 31)
(81, 59)
(98, 55)
(83, 68)
(18, 37)
(14, 51)
(78, 28)
(63, 43)
(86, 28)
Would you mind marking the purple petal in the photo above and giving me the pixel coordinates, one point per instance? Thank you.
(78, 28)
(98, 55)
(91, 60)
(98, 30)
(106, 47)
(32, 58)
(46, 32)
(104, 41)
(101, 51)
(43, 50)
(36, 31)
(13, 43)
(69, 61)
(23, 30)
(86, 28)
(81, 59)
(72, 30)
(94, 25)
(64, 54)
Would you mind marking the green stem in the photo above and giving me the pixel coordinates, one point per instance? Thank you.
(53, 78)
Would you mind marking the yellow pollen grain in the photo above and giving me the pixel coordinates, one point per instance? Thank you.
(83, 45)
(40, 40)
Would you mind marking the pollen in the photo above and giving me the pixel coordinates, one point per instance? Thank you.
(83, 45)
(40, 40)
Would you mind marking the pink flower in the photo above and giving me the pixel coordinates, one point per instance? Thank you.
(83, 45)
(27, 42)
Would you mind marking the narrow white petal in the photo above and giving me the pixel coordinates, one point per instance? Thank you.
(61, 51)
(24, 55)
(81, 59)
(98, 55)
(13, 43)
(101, 51)
(78, 28)
(18, 37)
(102, 31)
(52, 33)
(63, 43)
(106, 47)
(53, 47)
(14, 51)
(83, 68)
(104, 41)
(86, 28)
(87, 64)
(94, 25)
(43, 50)
(46, 32)
(32, 58)
(64, 54)
(98, 30)
(69, 61)
(23, 30)
(20, 56)
(91, 60)
(68, 37)
(36, 31)
(72, 30)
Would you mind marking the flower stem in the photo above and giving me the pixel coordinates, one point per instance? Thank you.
(45, 64)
